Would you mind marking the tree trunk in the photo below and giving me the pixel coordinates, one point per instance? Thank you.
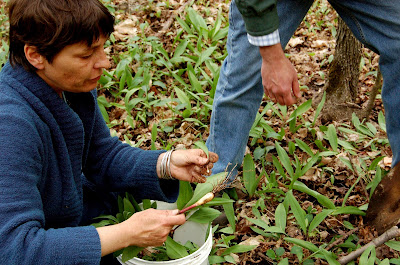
(342, 85)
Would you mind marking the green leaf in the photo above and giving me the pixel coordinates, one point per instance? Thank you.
(298, 112)
(298, 212)
(219, 201)
(393, 244)
(204, 215)
(238, 249)
(285, 160)
(318, 219)
(249, 175)
(381, 121)
(348, 210)
(280, 217)
(332, 137)
(319, 108)
(275, 229)
(202, 146)
(130, 253)
(195, 83)
(174, 249)
(303, 146)
(183, 98)
(185, 194)
(204, 188)
(230, 212)
(285, 261)
(330, 258)
(364, 259)
(278, 166)
(128, 206)
(214, 259)
(197, 21)
(180, 49)
(298, 251)
(258, 222)
(133, 201)
(153, 137)
(307, 245)
(146, 204)
(385, 262)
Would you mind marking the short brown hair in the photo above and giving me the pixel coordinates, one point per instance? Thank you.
(51, 25)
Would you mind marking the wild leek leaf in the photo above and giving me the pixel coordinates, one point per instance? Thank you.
(204, 188)
(332, 137)
(174, 249)
(298, 212)
(280, 217)
(237, 249)
(229, 211)
(348, 210)
(285, 160)
(204, 215)
(202, 146)
(130, 252)
(249, 175)
(185, 194)
(305, 244)
(318, 219)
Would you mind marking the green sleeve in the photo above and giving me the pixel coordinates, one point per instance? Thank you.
(260, 16)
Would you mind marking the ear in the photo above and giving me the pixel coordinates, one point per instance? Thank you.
(32, 55)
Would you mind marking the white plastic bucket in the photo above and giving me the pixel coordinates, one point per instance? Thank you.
(189, 231)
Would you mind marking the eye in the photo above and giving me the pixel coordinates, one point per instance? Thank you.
(87, 56)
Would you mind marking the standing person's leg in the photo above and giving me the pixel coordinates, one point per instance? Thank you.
(376, 23)
(240, 91)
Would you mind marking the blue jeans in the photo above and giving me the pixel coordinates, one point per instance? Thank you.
(376, 23)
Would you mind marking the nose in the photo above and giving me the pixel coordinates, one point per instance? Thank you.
(102, 61)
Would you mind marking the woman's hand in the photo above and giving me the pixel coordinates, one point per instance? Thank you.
(190, 165)
(143, 229)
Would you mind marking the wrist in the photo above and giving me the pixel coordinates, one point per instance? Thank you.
(164, 165)
(272, 53)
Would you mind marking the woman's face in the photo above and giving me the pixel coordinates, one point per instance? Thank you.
(77, 68)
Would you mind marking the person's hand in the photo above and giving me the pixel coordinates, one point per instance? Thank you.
(143, 229)
(279, 77)
(191, 165)
(151, 227)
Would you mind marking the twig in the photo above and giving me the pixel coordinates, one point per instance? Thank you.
(341, 239)
(171, 19)
(389, 234)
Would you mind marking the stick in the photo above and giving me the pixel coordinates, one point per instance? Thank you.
(171, 19)
(342, 239)
(389, 234)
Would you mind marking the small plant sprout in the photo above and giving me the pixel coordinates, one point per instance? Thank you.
(217, 187)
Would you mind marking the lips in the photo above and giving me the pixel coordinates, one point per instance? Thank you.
(96, 79)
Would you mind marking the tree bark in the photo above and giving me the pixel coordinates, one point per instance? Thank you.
(342, 85)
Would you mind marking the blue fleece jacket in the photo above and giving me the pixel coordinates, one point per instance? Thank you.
(50, 151)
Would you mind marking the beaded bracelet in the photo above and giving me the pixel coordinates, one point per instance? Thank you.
(165, 169)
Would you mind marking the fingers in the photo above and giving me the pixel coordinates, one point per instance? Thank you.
(173, 218)
(283, 96)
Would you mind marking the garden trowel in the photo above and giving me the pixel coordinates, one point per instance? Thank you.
(384, 206)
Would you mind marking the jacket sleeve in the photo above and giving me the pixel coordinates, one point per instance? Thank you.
(260, 16)
(23, 233)
(121, 167)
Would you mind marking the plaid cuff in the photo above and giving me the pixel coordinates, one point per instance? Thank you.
(266, 40)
